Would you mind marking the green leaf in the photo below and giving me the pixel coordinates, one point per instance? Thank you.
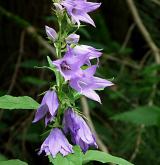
(34, 81)
(147, 115)
(93, 155)
(71, 159)
(59, 160)
(2, 157)
(76, 158)
(53, 68)
(13, 162)
(22, 102)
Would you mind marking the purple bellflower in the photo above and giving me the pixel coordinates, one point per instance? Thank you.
(80, 132)
(72, 39)
(85, 49)
(55, 143)
(79, 9)
(51, 33)
(70, 65)
(48, 107)
(87, 83)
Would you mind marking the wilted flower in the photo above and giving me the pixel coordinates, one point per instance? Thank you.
(87, 83)
(79, 9)
(79, 130)
(51, 33)
(69, 65)
(55, 143)
(48, 107)
(72, 39)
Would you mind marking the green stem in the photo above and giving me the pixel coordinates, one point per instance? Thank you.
(59, 55)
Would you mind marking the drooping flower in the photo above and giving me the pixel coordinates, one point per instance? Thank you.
(55, 143)
(48, 107)
(72, 39)
(51, 33)
(87, 83)
(70, 65)
(80, 132)
(85, 49)
(79, 9)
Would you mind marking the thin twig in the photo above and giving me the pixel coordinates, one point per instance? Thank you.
(120, 61)
(128, 36)
(156, 53)
(14, 77)
(86, 112)
(156, 2)
(138, 142)
(32, 31)
(21, 51)
(144, 30)
(29, 29)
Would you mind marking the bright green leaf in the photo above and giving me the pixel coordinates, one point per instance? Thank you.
(22, 102)
(93, 155)
(76, 158)
(147, 115)
(2, 157)
(59, 160)
(13, 162)
(71, 159)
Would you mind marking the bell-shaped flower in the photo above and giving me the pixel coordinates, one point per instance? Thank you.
(79, 9)
(85, 49)
(48, 107)
(70, 65)
(72, 39)
(51, 33)
(80, 132)
(87, 83)
(55, 143)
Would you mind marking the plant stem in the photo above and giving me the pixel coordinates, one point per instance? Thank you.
(59, 55)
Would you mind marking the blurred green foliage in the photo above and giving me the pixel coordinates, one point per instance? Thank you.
(128, 121)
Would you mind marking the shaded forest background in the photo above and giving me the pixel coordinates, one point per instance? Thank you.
(128, 121)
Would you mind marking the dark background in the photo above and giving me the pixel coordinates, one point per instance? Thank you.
(127, 57)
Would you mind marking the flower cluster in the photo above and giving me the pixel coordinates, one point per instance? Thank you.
(70, 68)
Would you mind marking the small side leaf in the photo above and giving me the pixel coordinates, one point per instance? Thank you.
(23, 102)
(13, 162)
(93, 155)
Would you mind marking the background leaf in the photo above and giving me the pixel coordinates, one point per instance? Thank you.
(147, 115)
(23, 102)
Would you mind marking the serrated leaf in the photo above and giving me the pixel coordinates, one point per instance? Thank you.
(76, 157)
(93, 155)
(13, 162)
(21, 102)
(59, 160)
(71, 159)
(147, 115)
